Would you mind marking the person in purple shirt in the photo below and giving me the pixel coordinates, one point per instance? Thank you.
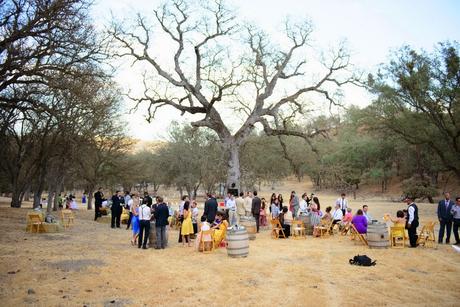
(360, 222)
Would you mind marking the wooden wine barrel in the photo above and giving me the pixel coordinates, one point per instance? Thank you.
(377, 235)
(152, 235)
(249, 223)
(307, 224)
(237, 243)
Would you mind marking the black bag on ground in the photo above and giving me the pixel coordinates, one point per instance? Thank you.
(362, 260)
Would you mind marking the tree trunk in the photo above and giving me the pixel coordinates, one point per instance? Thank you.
(16, 199)
(233, 167)
(50, 202)
(90, 199)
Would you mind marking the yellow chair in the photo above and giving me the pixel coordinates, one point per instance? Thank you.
(67, 218)
(397, 237)
(202, 244)
(277, 229)
(298, 231)
(427, 237)
(35, 222)
(324, 229)
(124, 216)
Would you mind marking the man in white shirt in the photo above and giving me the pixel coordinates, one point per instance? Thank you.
(145, 214)
(248, 203)
(303, 206)
(412, 221)
(337, 215)
(240, 210)
(366, 214)
(231, 207)
(342, 202)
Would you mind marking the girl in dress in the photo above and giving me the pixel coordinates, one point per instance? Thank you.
(272, 201)
(263, 215)
(187, 226)
(135, 219)
(280, 202)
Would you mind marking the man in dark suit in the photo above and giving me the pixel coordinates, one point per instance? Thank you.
(116, 209)
(445, 217)
(255, 209)
(98, 199)
(161, 220)
(210, 208)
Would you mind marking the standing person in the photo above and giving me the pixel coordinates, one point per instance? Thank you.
(98, 199)
(255, 209)
(116, 209)
(83, 199)
(187, 226)
(145, 215)
(445, 217)
(161, 220)
(275, 209)
(412, 221)
(342, 202)
(230, 206)
(134, 210)
(184, 199)
(147, 199)
(263, 213)
(294, 204)
(280, 201)
(248, 204)
(210, 209)
(128, 203)
(195, 217)
(272, 200)
(455, 211)
(240, 211)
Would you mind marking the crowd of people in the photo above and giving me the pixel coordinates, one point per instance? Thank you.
(143, 210)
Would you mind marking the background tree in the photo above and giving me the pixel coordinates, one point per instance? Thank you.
(210, 74)
(419, 99)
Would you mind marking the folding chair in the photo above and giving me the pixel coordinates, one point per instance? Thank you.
(426, 236)
(67, 218)
(35, 222)
(277, 229)
(324, 229)
(202, 245)
(298, 231)
(345, 229)
(397, 237)
(356, 234)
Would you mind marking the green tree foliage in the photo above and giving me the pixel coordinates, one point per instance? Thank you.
(419, 100)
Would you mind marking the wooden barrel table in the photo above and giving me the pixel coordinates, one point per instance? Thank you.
(237, 243)
(377, 235)
(249, 223)
(307, 224)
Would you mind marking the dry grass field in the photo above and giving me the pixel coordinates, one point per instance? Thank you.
(93, 265)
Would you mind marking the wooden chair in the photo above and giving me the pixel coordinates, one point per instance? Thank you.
(298, 231)
(277, 229)
(427, 236)
(67, 218)
(355, 234)
(397, 237)
(202, 245)
(324, 229)
(35, 222)
(346, 228)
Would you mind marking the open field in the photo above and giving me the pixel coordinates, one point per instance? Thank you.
(93, 265)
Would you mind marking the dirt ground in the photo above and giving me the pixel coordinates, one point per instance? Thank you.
(93, 265)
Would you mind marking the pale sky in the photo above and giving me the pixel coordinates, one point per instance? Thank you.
(371, 29)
